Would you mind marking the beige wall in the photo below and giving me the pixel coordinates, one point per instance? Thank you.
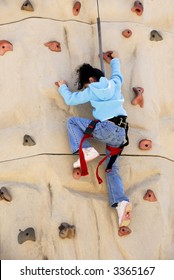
(39, 178)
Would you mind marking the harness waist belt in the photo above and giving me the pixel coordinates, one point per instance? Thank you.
(119, 120)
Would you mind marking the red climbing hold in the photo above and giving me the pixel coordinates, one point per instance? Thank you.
(77, 173)
(5, 46)
(53, 46)
(137, 8)
(124, 231)
(76, 8)
(150, 196)
(145, 144)
(138, 96)
(127, 33)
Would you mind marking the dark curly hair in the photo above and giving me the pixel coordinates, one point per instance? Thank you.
(84, 72)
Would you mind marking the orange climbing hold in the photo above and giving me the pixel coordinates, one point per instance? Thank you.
(127, 33)
(137, 8)
(124, 231)
(145, 144)
(76, 8)
(150, 196)
(5, 46)
(138, 96)
(53, 46)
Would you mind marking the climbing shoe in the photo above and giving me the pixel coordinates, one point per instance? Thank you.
(89, 154)
(124, 210)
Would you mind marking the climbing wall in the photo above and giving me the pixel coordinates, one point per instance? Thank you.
(44, 212)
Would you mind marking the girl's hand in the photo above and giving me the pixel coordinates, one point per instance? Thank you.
(109, 55)
(115, 54)
(60, 83)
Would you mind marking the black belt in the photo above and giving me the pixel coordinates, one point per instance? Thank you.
(119, 120)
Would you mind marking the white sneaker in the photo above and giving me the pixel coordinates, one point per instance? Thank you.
(124, 209)
(89, 154)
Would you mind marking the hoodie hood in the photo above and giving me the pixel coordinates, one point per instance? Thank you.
(103, 89)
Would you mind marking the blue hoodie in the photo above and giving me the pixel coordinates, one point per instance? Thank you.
(105, 96)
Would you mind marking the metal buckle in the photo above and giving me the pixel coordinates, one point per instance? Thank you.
(121, 122)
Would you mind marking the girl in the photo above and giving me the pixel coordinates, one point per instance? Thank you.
(107, 102)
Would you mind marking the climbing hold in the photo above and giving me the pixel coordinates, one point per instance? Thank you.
(53, 46)
(150, 196)
(5, 46)
(28, 141)
(27, 6)
(155, 36)
(28, 234)
(4, 194)
(77, 173)
(107, 55)
(127, 33)
(76, 8)
(145, 144)
(137, 8)
(66, 231)
(124, 231)
(138, 96)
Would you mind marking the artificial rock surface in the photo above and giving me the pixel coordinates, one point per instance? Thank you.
(38, 178)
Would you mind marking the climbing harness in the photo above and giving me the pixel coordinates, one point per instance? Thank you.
(114, 152)
(100, 39)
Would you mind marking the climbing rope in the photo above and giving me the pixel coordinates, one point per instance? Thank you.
(100, 39)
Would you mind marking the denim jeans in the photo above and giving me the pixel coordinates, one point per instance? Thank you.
(105, 132)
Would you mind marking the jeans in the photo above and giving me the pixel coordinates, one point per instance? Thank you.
(105, 132)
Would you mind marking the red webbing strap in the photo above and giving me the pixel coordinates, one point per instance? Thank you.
(97, 173)
(113, 151)
(87, 134)
(83, 165)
